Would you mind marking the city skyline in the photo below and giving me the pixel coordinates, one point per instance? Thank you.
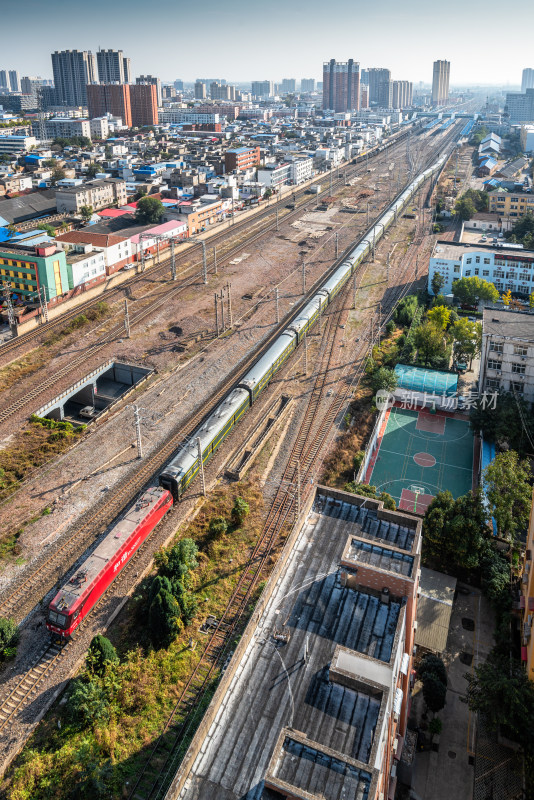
(359, 33)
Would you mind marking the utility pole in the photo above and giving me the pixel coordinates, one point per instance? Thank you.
(387, 268)
(355, 289)
(43, 303)
(330, 179)
(215, 259)
(277, 306)
(201, 467)
(303, 278)
(368, 213)
(276, 217)
(137, 420)
(126, 319)
(337, 244)
(374, 241)
(216, 313)
(305, 354)
(345, 178)
(173, 261)
(379, 322)
(221, 297)
(204, 261)
(142, 245)
(230, 320)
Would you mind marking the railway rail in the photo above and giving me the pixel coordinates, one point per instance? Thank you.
(308, 447)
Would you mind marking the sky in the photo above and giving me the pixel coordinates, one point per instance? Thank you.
(245, 40)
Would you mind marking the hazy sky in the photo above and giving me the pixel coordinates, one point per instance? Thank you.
(248, 40)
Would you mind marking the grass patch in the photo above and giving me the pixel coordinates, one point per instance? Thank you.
(97, 312)
(20, 368)
(67, 762)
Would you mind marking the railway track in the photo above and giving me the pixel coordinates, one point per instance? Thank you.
(308, 447)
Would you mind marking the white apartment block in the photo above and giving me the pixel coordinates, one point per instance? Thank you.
(507, 359)
(11, 144)
(301, 170)
(99, 127)
(277, 176)
(66, 127)
(188, 117)
(505, 267)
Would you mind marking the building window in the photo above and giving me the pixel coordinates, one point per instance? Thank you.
(520, 350)
(468, 272)
(517, 387)
(497, 347)
(456, 268)
(486, 261)
(467, 260)
(492, 383)
(485, 273)
(493, 364)
(519, 369)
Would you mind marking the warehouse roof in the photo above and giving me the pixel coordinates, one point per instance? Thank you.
(28, 206)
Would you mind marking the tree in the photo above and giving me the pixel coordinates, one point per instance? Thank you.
(432, 663)
(93, 170)
(439, 316)
(158, 584)
(507, 297)
(495, 576)
(499, 690)
(101, 652)
(434, 692)
(9, 634)
(470, 291)
(437, 283)
(176, 562)
(467, 338)
(435, 726)
(465, 208)
(49, 229)
(404, 313)
(509, 493)
(149, 211)
(531, 300)
(506, 420)
(364, 490)
(86, 212)
(429, 342)
(454, 531)
(239, 511)
(163, 619)
(523, 229)
(58, 174)
(384, 379)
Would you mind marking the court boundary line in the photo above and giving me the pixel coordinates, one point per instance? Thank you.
(444, 463)
(438, 435)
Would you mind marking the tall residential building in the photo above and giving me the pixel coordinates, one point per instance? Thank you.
(14, 80)
(113, 67)
(364, 76)
(4, 81)
(527, 80)
(179, 85)
(341, 85)
(222, 91)
(144, 104)
(289, 85)
(135, 104)
(200, 90)
(402, 94)
(520, 106)
(440, 82)
(30, 84)
(73, 71)
(151, 80)
(307, 85)
(113, 98)
(380, 87)
(262, 88)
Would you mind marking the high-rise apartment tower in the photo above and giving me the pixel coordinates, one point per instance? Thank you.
(113, 67)
(440, 82)
(341, 85)
(73, 71)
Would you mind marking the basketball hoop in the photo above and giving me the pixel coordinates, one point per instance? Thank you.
(417, 490)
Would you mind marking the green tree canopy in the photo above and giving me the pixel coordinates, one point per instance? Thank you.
(217, 527)
(86, 212)
(163, 619)
(434, 692)
(176, 562)
(58, 174)
(429, 342)
(88, 703)
(500, 690)
(437, 283)
(404, 313)
(495, 572)
(523, 230)
(9, 633)
(509, 493)
(149, 211)
(364, 490)
(432, 663)
(467, 338)
(471, 290)
(384, 379)
(454, 531)
(93, 170)
(507, 420)
(101, 651)
(465, 208)
(439, 316)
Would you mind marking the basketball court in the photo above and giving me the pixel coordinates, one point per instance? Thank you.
(420, 454)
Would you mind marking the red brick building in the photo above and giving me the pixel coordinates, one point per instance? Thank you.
(241, 158)
(144, 104)
(135, 104)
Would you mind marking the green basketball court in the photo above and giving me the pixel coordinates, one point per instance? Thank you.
(420, 454)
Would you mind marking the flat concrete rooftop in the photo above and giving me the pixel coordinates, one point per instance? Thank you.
(286, 692)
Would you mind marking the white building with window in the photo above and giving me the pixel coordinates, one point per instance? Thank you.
(301, 170)
(505, 267)
(507, 359)
(275, 175)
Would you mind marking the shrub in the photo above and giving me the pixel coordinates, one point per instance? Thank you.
(163, 619)
(101, 651)
(9, 633)
(390, 327)
(217, 527)
(434, 692)
(239, 511)
(432, 663)
(88, 704)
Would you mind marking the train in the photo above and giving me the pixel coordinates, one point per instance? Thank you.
(78, 596)
(80, 593)
(185, 465)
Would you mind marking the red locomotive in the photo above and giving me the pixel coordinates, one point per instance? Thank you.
(78, 596)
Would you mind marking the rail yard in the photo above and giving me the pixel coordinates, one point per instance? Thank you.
(321, 373)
